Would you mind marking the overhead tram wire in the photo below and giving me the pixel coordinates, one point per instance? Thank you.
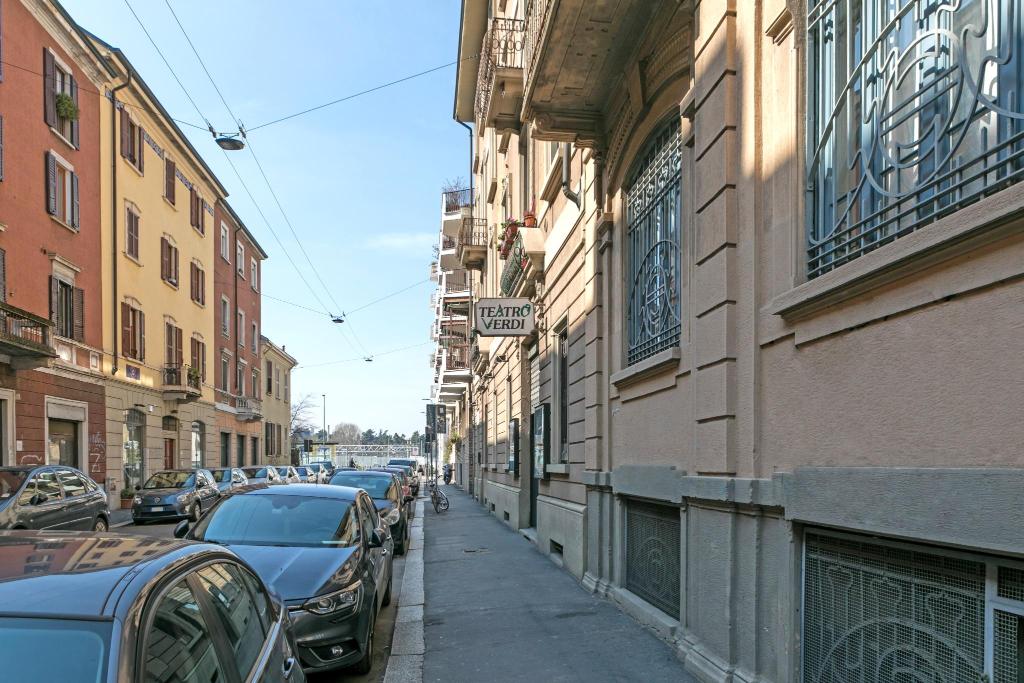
(350, 312)
(273, 193)
(354, 359)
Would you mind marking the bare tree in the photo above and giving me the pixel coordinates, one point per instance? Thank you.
(346, 432)
(301, 419)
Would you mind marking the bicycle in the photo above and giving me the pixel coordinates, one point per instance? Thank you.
(437, 497)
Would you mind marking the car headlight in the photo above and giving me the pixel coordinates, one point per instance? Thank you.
(137, 500)
(334, 602)
(391, 517)
(182, 497)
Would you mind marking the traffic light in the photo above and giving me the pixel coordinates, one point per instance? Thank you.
(307, 445)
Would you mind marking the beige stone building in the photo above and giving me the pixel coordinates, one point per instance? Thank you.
(277, 373)
(772, 404)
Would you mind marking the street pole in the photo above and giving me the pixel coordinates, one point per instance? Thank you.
(324, 402)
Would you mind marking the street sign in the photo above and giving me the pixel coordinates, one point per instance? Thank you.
(506, 317)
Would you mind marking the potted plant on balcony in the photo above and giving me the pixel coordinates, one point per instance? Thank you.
(127, 495)
(194, 378)
(66, 107)
(509, 229)
(530, 218)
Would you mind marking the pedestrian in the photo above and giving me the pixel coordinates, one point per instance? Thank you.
(447, 473)
(352, 463)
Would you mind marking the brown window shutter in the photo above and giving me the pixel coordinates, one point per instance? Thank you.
(74, 200)
(74, 122)
(164, 260)
(202, 217)
(192, 356)
(1, 148)
(78, 304)
(202, 287)
(174, 263)
(169, 180)
(178, 347)
(126, 329)
(3, 275)
(202, 360)
(192, 206)
(125, 133)
(141, 355)
(141, 153)
(192, 281)
(51, 184)
(49, 89)
(168, 343)
(54, 294)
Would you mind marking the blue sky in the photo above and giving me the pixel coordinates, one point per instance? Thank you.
(360, 181)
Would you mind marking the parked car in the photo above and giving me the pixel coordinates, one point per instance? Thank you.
(324, 549)
(289, 475)
(306, 475)
(51, 497)
(113, 608)
(386, 492)
(327, 465)
(410, 471)
(403, 476)
(262, 475)
(174, 494)
(320, 472)
(228, 478)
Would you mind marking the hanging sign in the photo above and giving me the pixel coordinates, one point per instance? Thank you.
(505, 317)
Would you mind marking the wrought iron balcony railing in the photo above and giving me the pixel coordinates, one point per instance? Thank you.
(515, 266)
(502, 48)
(248, 408)
(457, 357)
(25, 334)
(457, 281)
(448, 243)
(454, 200)
(536, 20)
(182, 377)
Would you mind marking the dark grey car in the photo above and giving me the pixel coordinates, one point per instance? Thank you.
(90, 608)
(174, 494)
(51, 497)
(324, 549)
(228, 478)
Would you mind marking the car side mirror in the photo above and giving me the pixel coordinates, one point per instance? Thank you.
(376, 541)
(38, 499)
(181, 529)
(409, 499)
(138, 488)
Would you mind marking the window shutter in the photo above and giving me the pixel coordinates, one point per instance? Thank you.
(178, 347)
(53, 298)
(74, 122)
(174, 263)
(78, 303)
(3, 275)
(169, 173)
(192, 206)
(51, 183)
(126, 329)
(49, 89)
(125, 130)
(164, 261)
(141, 153)
(141, 354)
(1, 148)
(74, 200)
(193, 357)
(168, 343)
(202, 360)
(1, 42)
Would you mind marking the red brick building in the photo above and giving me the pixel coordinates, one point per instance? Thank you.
(237, 271)
(51, 398)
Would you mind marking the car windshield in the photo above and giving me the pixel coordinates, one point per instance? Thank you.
(256, 472)
(10, 482)
(171, 480)
(404, 463)
(375, 485)
(82, 648)
(279, 520)
(303, 472)
(221, 475)
(283, 471)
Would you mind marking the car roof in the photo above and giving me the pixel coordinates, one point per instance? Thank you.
(71, 573)
(375, 473)
(299, 490)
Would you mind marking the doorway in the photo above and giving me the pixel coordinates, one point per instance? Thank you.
(63, 442)
(169, 459)
(225, 449)
(240, 442)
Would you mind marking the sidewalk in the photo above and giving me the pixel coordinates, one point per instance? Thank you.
(497, 610)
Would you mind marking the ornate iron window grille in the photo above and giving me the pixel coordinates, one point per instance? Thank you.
(915, 110)
(653, 558)
(653, 217)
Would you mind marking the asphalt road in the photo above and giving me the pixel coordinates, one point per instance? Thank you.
(385, 620)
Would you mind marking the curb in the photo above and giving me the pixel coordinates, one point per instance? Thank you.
(405, 664)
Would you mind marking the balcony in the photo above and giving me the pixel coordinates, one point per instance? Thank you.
(499, 82)
(181, 383)
(524, 264)
(456, 283)
(25, 339)
(248, 409)
(572, 61)
(453, 335)
(473, 243)
(447, 256)
(455, 204)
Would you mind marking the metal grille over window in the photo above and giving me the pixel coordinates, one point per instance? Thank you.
(915, 110)
(876, 613)
(653, 554)
(653, 217)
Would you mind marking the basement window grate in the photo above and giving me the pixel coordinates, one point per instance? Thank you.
(653, 554)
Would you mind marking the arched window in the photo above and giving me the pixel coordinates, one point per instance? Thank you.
(134, 444)
(198, 439)
(653, 217)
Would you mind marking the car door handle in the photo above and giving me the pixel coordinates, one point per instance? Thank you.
(289, 666)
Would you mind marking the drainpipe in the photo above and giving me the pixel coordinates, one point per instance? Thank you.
(566, 157)
(113, 219)
(472, 322)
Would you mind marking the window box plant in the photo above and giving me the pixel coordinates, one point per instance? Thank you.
(127, 496)
(66, 107)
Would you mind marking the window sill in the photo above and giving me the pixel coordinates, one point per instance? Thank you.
(66, 226)
(132, 166)
(133, 259)
(557, 468)
(60, 136)
(661, 362)
(170, 203)
(974, 226)
(172, 285)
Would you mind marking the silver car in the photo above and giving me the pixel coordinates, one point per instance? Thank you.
(319, 472)
(262, 475)
(289, 475)
(228, 478)
(307, 475)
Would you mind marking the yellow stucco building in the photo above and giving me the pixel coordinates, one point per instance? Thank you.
(158, 309)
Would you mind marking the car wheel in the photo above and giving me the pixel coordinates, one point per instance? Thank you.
(100, 524)
(387, 594)
(194, 511)
(363, 666)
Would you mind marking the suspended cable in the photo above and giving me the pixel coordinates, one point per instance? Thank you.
(387, 296)
(363, 358)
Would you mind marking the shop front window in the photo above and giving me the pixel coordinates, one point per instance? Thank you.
(134, 439)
